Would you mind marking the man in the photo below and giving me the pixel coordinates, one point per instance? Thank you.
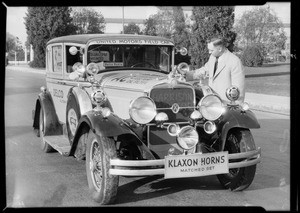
(229, 70)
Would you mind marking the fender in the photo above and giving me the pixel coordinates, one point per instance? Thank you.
(52, 124)
(111, 126)
(83, 99)
(235, 118)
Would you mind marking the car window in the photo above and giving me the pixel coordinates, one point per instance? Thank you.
(140, 56)
(72, 59)
(57, 58)
(49, 59)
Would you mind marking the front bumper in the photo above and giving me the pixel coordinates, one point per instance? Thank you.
(139, 167)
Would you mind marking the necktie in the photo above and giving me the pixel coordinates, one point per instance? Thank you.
(216, 66)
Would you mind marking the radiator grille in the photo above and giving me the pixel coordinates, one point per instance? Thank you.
(164, 98)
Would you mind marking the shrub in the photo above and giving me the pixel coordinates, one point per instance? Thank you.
(252, 57)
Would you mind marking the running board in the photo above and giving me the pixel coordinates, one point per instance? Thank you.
(59, 143)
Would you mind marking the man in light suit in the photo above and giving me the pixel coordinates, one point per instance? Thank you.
(229, 71)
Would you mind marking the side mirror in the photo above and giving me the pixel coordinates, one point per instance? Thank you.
(183, 51)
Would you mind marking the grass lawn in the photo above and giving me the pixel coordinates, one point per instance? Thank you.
(265, 81)
(269, 85)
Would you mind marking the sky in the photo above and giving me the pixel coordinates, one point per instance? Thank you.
(15, 15)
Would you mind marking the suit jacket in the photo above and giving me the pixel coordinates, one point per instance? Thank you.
(230, 72)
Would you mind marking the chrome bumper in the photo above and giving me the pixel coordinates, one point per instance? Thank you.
(130, 167)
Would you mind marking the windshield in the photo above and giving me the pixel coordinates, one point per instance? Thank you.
(138, 56)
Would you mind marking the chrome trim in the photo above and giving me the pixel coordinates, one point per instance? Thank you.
(245, 154)
(253, 157)
(166, 124)
(192, 107)
(142, 172)
(119, 162)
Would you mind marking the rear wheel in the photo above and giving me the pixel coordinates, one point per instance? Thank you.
(44, 145)
(238, 178)
(102, 185)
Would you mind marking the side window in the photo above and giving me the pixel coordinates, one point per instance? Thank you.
(48, 59)
(57, 58)
(72, 59)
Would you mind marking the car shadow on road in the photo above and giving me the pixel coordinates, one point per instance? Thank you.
(156, 186)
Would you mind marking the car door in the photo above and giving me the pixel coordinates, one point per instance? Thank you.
(54, 78)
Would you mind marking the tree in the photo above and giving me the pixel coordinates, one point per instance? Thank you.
(43, 24)
(11, 42)
(170, 22)
(88, 21)
(180, 34)
(150, 27)
(132, 28)
(13, 45)
(260, 27)
(162, 23)
(210, 21)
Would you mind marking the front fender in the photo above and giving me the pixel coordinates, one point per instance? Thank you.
(52, 125)
(235, 118)
(111, 126)
(105, 127)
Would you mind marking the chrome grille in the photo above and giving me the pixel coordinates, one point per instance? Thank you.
(168, 99)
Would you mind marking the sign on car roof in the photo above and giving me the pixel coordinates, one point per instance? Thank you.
(113, 39)
(132, 41)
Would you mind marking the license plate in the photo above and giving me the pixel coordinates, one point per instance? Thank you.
(195, 165)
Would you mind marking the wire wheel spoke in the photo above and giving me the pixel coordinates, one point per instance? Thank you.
(233, 148)
(96, 165)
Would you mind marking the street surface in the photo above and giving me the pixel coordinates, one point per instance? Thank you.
(37, 179)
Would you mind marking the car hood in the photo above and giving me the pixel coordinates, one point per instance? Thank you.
(131, 79)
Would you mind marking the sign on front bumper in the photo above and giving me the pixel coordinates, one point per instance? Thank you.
(191, 165)
(194, 165)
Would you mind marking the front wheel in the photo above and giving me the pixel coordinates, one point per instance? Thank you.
(238, 179)
(102, 185)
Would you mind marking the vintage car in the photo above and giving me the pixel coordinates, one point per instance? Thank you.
(119, 103)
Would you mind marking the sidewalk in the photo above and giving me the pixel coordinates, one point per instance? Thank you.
(268, 103)
(260, 102)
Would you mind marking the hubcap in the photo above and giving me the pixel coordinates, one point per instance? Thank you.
(96, 165)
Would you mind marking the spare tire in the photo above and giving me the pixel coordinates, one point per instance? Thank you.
(72, 115)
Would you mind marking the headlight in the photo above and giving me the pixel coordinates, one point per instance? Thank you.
(142, 110)
(92, 68)
(187, 137)
(211, 107)
(209, 127)
(79, 68)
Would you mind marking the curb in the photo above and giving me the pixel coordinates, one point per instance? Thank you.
(268, 103)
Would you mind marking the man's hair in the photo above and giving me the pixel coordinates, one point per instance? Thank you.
(217, 41)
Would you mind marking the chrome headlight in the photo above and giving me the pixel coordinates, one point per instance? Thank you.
(142, 110)
(211, 107)
(92, 68)
(187, 137)
(79, 68)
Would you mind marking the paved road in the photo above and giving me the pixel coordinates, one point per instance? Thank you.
(37, 179)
